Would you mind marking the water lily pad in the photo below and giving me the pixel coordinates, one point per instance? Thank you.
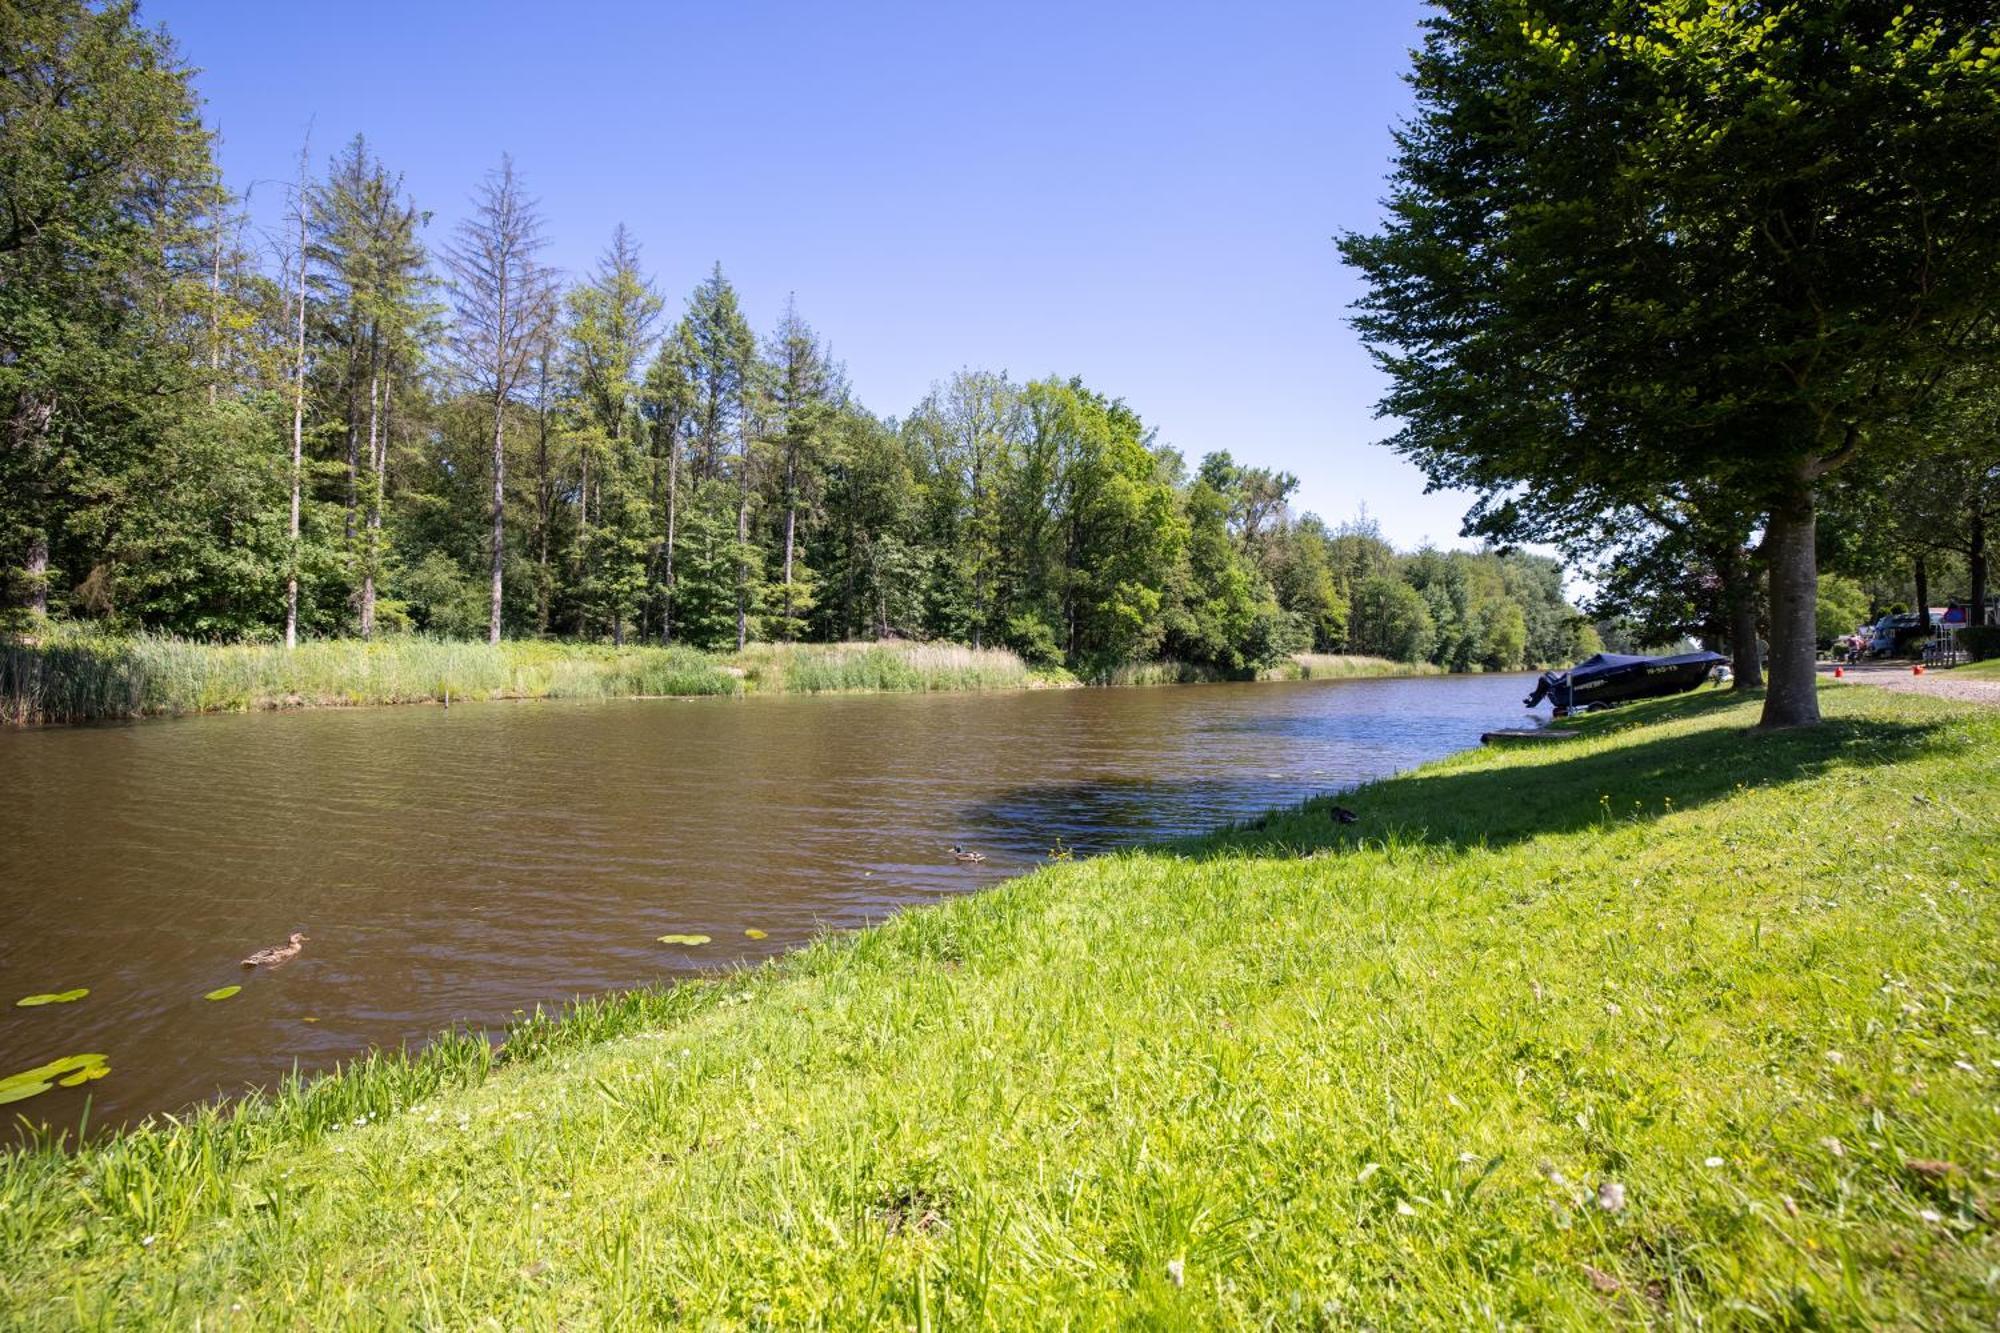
(41, 1077)
(20, 1092)
(684, 939)
(222, 992)
(82, 1076)
(57, 997)
(756, 934)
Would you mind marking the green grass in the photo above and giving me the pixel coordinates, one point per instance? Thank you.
(70, 676)
(1988, 670)
(1299, 666)
(1293, 1074)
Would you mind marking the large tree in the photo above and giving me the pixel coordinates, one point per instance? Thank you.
(504, 298)
(104, 179)
(1641, 245)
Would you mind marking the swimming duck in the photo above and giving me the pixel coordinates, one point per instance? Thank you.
(960, 854)
(281, 953)
(1342, 815)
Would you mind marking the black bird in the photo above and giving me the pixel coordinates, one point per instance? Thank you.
(1342, 815)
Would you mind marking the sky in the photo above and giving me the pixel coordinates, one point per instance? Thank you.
(1143, 195)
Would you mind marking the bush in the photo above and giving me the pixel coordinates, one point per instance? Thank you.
(1981, 642)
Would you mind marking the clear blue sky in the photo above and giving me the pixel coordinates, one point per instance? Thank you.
(1143, 195)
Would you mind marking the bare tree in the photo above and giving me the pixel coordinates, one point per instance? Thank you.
(298, 410)
(503, 298)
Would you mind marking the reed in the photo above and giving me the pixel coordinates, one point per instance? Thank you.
(68, 675)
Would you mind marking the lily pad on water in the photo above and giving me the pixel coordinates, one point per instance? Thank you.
(684, 939)
(222, 992)
(32, 1082)
(85, 1075)
(756, 934)
(57, 997)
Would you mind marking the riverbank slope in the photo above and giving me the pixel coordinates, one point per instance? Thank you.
(67, 676)
(1674, 1022)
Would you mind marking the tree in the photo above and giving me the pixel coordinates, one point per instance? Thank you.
(1643, 244)
(371, 276)
(806, 392)
(503, 298)
(104, 179)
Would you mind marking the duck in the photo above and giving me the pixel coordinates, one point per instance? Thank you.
(1342, 815)
(280, 953)
(960, 854)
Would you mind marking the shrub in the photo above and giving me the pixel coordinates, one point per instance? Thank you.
(1981, 642)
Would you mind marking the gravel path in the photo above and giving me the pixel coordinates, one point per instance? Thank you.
(1942, 684)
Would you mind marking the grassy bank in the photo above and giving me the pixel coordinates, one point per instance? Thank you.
(67, 676)
(1675, 1023)
(72, 678)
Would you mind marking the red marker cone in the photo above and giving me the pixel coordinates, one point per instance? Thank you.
(1838, 672)
(1917, 670)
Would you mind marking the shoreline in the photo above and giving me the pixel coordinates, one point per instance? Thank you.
(1119, 1055)
(77, 680)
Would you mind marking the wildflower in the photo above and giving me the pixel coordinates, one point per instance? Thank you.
(1931, 1215)
(1713, 1162)
(1176, 1271)
(1611, 1196)
(1833, 1146)
(147, 1241)
(1834, 1057)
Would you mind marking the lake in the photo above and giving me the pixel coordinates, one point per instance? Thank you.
(459, 866)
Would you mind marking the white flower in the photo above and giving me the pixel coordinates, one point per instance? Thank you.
(1176, 1271)
(1834, 1057)
(147, 1241)
(1931, 1215)
(1713, 1162)
(1611, 1196)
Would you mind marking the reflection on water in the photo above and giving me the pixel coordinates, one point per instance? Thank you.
(460, 865)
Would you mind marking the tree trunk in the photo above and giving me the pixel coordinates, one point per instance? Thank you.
(791, 526)
(298, 430)
(742, 550)
(1746, 664)
(37, 599)
(374, 525)
(673, 492)
(544, 503)
(499, 510)
(1793, 697)
(1920, 570)
(1975, 562)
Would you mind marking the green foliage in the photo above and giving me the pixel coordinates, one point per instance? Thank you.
(1981, 642)
(1391, 620)
(1671, 266)
(1843, 605)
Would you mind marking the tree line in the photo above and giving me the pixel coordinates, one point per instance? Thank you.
(352, 426)
(1705, 294)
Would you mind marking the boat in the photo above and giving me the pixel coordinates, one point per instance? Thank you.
(1614, 678)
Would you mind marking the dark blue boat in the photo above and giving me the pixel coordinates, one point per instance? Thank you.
(1612, 678)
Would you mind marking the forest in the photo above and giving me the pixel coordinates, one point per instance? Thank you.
(352, 423)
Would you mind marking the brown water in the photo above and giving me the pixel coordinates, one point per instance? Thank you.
(462, 865)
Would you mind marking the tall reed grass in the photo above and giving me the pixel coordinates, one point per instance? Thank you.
(67, 675)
